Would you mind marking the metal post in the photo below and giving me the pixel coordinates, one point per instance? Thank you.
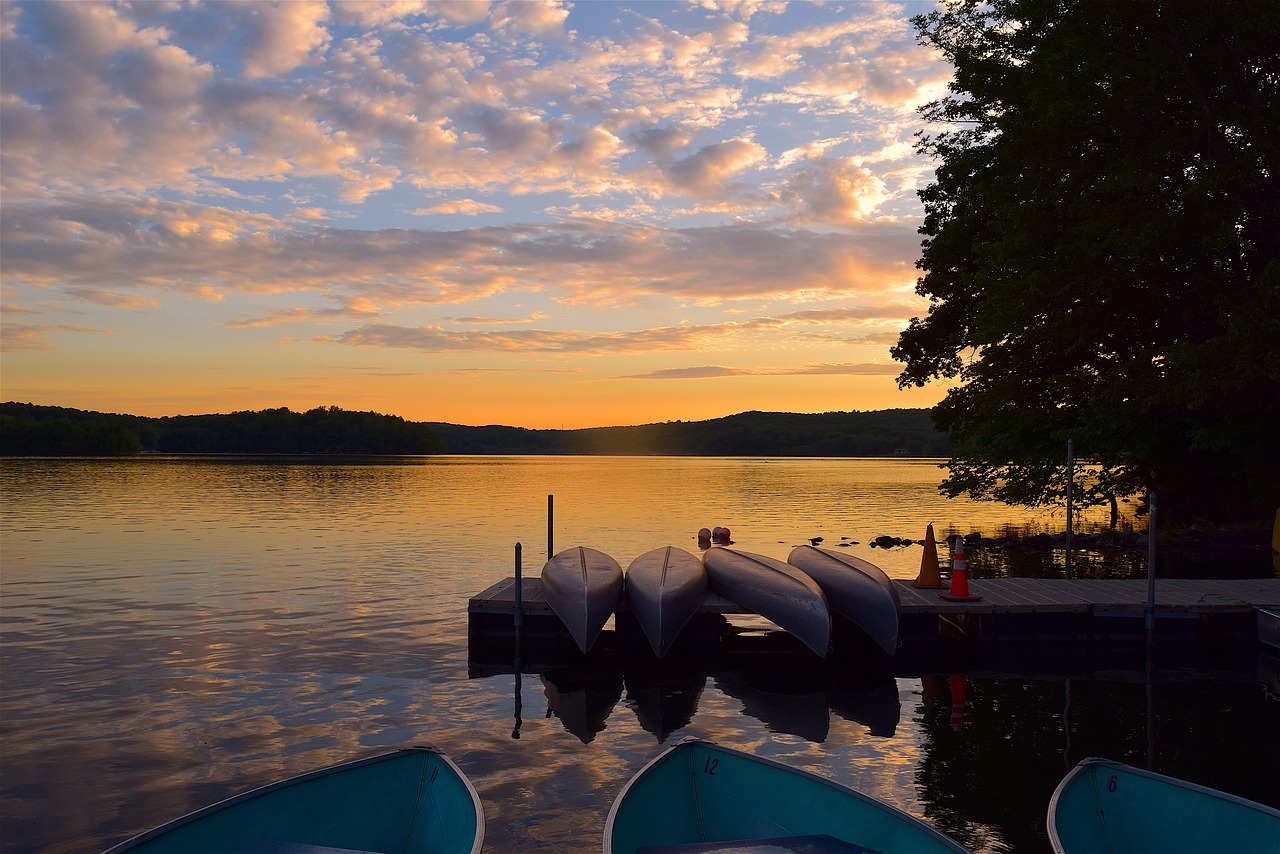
(518, 664)
(519, 618)
(1071, 479)
(551, 513)
(1151, 568)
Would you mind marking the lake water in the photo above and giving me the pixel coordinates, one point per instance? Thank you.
(176, 630)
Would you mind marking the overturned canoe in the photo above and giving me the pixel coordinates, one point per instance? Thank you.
(1105, 807)
(665, 587)
(712, 798)
(583, 587)
(780, 593)
(413, 800)
(856, 589)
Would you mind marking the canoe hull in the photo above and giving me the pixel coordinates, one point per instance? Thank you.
(855, 588)
(778, 592)
(665, 587)
(408, 800)
(1104, 806)
(698, 792)
(583, 587)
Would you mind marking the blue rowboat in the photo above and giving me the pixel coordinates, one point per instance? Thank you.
(413, 800)
(665, 587)
(857, 589)
(699, 796)
(1103, 807)
(583, 587)
(776, 591)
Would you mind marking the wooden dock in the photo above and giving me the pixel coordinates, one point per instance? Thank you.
(1011, 610)
(1174, 596)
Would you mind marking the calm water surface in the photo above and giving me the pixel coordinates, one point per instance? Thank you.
(176, 630)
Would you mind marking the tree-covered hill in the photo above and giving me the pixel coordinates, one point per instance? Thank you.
(907, 432)
(27, 430)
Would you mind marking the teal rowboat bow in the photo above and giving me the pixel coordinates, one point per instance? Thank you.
(1104, 807)
(413, 800)
(699, 796)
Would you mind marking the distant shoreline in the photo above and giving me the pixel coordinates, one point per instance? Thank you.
(29, 430)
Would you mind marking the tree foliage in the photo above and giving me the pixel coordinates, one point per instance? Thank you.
(747, 434)
(48, 430)
(1102, 250)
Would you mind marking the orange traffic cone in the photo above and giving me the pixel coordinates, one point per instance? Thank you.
(959, 578)
(959, 699)
(930, 576)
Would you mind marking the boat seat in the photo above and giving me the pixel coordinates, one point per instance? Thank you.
(283, 846)
(819, 843)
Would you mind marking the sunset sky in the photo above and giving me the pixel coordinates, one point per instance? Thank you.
(542, 214)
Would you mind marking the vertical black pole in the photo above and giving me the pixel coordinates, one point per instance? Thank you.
(519, 612)
(519, 619)
(551, 502)
(1071, 480)
(1151, 568)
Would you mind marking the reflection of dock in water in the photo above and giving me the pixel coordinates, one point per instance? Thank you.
(775, 678)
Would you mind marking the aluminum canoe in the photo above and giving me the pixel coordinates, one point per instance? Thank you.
(778, 592)
(856, 589)
(583, 587)
(712, 798)
(413, 800)
(665, 587)
(1105, 807)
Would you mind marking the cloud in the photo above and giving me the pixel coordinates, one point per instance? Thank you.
(32, 336)
(542, 17)
(834, 192)
(710, 170)
(467, 207)
(281, 36)
(822, 369)
(112, 299)
(148, 248)
(499, 321)
(377, 96)
(727, 335)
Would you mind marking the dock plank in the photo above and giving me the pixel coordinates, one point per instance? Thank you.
(1055, 595)
(999, 595)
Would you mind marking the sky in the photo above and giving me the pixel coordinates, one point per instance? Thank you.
(542, 214)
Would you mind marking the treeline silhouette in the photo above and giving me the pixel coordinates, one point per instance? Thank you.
(904, 432)
(29, 430)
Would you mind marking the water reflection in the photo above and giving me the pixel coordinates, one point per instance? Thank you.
(665, 699)
(582, 696)
(204, 627)
(774, 680)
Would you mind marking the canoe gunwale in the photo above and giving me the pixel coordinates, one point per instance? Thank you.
(1086, 771)
(331, 770)
(687, 745)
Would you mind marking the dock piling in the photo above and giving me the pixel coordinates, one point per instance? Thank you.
(519, 603)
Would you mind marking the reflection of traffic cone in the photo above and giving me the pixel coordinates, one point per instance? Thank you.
(929, 577)
(959, 699)
(959, 578)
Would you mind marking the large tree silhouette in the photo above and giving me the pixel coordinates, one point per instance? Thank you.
(1102, 250)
